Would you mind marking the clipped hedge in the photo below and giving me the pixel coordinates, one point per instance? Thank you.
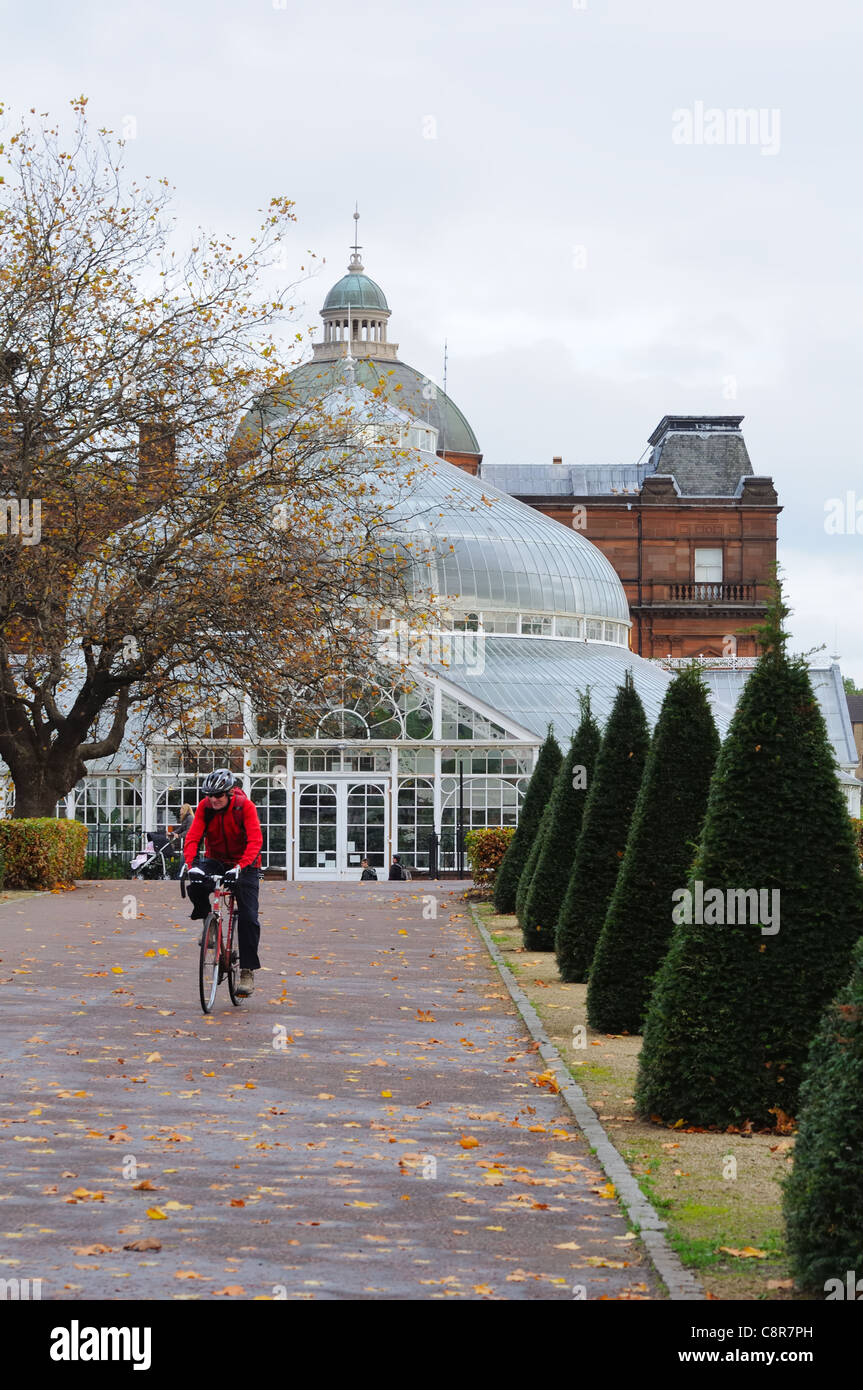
(823, 1197)
(736, 1002)
(539, 790)
(604, 829)
(550, 879)
(485, 851)
(42, 852)
(666, 825)
(857, 827)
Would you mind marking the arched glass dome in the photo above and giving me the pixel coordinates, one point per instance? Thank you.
(493, 553)
(478, 549)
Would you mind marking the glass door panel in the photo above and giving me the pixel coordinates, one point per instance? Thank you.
(317, 826)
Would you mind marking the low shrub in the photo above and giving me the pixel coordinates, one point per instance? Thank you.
(486, 849)
(42, 852)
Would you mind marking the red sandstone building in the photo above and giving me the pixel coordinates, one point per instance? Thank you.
(691, 531)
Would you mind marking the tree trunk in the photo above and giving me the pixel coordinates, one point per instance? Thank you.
(38, 800)
(38, 788)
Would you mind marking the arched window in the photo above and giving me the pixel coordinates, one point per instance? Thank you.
(415, 820)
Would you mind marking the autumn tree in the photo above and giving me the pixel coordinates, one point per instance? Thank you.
(152, 556)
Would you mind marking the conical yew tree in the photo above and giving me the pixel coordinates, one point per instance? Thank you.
(560, 834)
(663, 838)
(604, 828)
(530, 866)
(535, 799)
(823, 1198)
(766, 926)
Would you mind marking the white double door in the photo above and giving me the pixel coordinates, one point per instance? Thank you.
(339, 822)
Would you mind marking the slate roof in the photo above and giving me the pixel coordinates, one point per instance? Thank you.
(855, 708)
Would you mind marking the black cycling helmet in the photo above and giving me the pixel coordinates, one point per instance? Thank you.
(218, 782)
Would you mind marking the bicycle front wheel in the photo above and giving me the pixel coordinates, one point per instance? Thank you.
(208, 967)
(234, 959)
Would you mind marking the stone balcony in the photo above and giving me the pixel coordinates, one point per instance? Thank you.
(725, 594)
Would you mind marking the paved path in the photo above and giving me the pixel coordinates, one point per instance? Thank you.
(368, 1125)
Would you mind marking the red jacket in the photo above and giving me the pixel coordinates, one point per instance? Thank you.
(223, 837)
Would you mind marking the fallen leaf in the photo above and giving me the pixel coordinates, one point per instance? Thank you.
(607, 1191)
(748, 1252)
(147, 1243)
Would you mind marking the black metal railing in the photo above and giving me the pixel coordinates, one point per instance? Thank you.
(110, 850)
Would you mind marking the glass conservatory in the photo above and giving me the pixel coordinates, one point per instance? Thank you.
(529, 616)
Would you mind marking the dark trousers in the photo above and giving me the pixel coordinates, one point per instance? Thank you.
(246, 894)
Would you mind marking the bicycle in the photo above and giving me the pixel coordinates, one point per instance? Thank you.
(219, 957)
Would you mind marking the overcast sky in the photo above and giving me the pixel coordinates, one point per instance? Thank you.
(555, 188)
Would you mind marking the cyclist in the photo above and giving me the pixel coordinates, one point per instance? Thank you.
(228, 823)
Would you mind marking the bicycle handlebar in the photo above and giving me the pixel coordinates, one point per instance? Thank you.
(217, 880)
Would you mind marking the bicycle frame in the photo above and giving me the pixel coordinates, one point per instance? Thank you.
(219, 960)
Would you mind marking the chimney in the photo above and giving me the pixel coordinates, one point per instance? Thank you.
(557, 458)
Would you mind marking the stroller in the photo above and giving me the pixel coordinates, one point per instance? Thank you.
(160, 857)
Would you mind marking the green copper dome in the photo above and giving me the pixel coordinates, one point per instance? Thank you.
(358, 292)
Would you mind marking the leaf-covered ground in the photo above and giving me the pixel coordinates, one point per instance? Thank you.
(373, 1123)
(719, 1193)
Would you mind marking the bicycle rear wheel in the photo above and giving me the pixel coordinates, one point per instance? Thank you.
(208, 966)
(234, 954)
